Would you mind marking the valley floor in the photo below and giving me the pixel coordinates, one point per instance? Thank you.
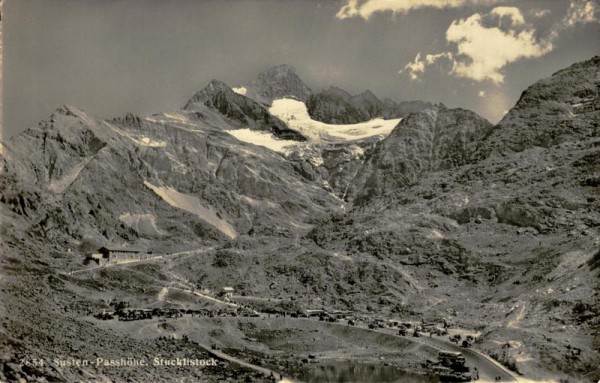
(251, 335)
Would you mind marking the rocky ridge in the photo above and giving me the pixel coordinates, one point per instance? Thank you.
(239, 109)
(432, 140)
(562, 108)
(277, 82)
(336, 106)
(66, 180)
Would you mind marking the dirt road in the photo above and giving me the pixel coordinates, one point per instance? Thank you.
(208, 297)
(137, 261)
(150, 327)
(488, 367)
(263, 370)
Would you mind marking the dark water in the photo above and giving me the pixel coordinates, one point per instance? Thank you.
(354, 372)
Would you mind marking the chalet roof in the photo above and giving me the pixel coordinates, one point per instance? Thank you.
(120, 249)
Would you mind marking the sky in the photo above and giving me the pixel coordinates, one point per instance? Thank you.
(110, 57)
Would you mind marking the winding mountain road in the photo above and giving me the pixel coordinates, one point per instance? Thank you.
(138, 261)
(488, 367)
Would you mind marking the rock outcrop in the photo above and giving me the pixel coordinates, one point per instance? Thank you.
(564, 107)
(281, 81)
(435, 139)
(241, 110)
(336, 106)
(75, 175)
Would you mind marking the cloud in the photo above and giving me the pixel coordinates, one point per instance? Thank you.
(482, 45)
(539, 13)
(581, 12)
(417, 67)
(366, 8)
(513, 13)
(483, 51)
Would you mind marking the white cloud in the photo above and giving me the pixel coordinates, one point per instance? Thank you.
(539, 13)
(512, 12)
(417, 67)
(484, 51)
(366, 8)
(581, 12)
(482, 45)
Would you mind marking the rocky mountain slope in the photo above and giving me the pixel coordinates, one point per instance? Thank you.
(435, 139)
(510, 214)
(332, 105)
(240, 110)
(277, 82)
(65, 176)
(336, 106)
(494, 228)
(562, 108)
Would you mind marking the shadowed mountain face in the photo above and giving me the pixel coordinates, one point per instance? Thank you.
(278, 82)
(561, 108)
(494, 228)
(336, 106)
(240, 110)
(431, 140)
(332, 105)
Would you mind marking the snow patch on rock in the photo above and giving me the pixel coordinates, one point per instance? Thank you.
(240, 90)
(144, 224)
(263, 139)
(61, 184)
(147, 141)
(141, 140)
(177, 117)
(192, 205)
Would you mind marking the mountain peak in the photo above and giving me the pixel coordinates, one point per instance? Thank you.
(367, 93)
(278, 82)
(560, 108)
(337, 92)
(433, 139)
(366, 97)
(282, 70)
(217, 85)
(206, 93)
(129, 119)
(241, 110)
(69, 110)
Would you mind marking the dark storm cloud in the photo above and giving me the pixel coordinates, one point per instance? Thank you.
(113, 57)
